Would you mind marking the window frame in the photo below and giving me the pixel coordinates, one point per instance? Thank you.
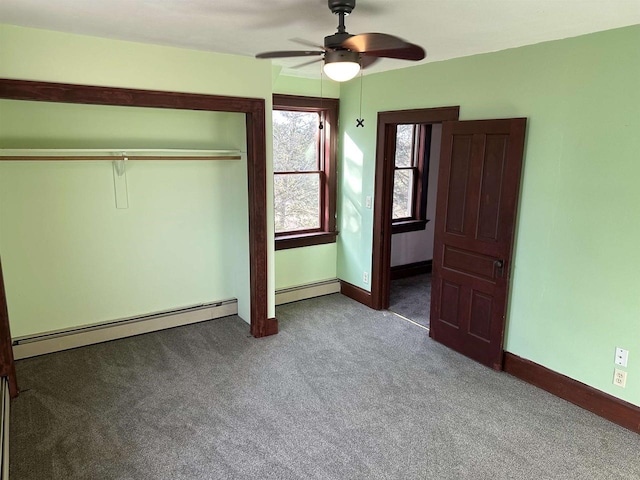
(420, 152)
(327, 108)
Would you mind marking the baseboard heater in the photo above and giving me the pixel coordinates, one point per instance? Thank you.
(56, 341)
(4, 429)
(309, 290)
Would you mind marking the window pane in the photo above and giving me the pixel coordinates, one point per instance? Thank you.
(402, 194)
(404, 142)
(297, 201)
(295, 141)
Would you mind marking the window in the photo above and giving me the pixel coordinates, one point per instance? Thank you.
(410, 177)
(304, 180)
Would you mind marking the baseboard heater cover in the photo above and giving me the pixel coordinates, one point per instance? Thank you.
(4, 429)
(55, 341)
(309, 290)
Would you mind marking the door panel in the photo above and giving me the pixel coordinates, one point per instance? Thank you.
(458, 185)
(450, 298)
(478, 188)
(491, 188)
(481, 266)
(481, 315)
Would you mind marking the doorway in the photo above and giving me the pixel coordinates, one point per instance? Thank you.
(416, 159)
(402, 249)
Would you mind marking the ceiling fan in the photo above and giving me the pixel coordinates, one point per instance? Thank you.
(344, 54)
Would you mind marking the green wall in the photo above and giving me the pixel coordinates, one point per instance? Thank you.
(301, 266)
(70, 257)
(305, 265)
(576, 288)
(309, 87)
(66, 125)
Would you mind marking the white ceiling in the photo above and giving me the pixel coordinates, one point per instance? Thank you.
(445, 28)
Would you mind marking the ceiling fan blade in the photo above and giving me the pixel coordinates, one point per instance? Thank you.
(384, 45)
(366, 42)
(289, 53)
(302, 41)
(367, 60)
(410, 52)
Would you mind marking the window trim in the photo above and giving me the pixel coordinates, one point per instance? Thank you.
(418, 220)
(327, 232)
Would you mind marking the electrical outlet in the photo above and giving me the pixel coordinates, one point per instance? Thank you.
(622, 357)
(365, 277)
(620, 378)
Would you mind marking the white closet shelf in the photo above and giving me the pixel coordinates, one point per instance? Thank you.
(28, 154)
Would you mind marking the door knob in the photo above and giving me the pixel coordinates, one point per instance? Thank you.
(498, 264)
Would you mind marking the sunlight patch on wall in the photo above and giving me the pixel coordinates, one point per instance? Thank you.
(353, 161)
(352, 193)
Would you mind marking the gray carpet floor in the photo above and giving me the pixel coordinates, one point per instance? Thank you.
(411, 298)
(342, 392)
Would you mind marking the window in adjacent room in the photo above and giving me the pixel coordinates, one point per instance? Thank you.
(304, 178)
(410, 177)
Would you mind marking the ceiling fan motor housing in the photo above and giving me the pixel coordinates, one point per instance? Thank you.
(335, 41)
(341, 56)
(342, 6)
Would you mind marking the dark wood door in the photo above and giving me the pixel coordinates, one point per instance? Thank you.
(478, 190)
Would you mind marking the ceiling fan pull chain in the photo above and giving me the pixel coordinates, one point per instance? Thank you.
(321, 125)
(360, 121)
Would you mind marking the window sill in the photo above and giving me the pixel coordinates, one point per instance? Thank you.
(305, 240)
(408, 226)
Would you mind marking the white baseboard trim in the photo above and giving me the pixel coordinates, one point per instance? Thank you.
(310, 290)
(4, 429)
(25, 347)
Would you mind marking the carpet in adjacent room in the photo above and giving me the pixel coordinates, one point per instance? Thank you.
(411, 298)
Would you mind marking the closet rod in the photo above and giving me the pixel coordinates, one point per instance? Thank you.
(112, 158)
(115, 154)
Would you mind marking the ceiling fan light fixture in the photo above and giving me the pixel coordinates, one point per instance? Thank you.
(341, 65)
